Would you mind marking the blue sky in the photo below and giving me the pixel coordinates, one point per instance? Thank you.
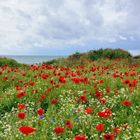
(62, 27)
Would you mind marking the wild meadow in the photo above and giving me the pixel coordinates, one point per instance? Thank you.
(95, 100)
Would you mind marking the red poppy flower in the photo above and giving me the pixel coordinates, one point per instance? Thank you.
(127, 103)
(31, 83)
(21, 115)
(80, 137)
(40, 111)
(102, 100)
(83, 98)
(26, 130)
(18, 88)
(62, 79)
(133, 83)
(105, 114)
(21, 106)
(54, 101)
(42, 96)
(20, 94)
(58, 130)
(70, 126)
(34, 91)
(89, 110)
(108, 90)
(108, 113)
(67, 122)
(76, 80)
(101, 114)
(101, 81)
(48, 90)
(98, 94)
(108, 136)
(73, 74)
(44, 76)
(127, 81)
(5, 78)
(0, 72)
(117, 130)
(100, 127)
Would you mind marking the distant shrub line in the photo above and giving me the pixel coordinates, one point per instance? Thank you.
(102, 53)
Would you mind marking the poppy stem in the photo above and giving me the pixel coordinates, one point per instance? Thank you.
(99, 135)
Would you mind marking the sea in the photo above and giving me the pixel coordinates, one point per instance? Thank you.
(36, 59)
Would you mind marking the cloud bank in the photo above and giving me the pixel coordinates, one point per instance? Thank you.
(52, 24)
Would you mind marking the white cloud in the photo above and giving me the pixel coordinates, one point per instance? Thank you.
(57, 23)
(122, 37)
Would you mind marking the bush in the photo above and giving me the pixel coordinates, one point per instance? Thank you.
(108, 53)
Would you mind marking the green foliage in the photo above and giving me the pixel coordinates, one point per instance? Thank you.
(99, 54)
(92, 55)
(44, 105)
(10, 62)
(7, 105)
(108, 53)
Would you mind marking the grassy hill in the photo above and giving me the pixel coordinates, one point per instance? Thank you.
(10, 62)
(77, 58)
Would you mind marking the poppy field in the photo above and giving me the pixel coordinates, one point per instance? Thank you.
(96, 100)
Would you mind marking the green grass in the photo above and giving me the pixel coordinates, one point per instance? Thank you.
(68, 94)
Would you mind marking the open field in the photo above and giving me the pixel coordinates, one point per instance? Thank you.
(98, 100)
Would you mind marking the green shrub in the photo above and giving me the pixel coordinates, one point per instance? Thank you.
(108, 53)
